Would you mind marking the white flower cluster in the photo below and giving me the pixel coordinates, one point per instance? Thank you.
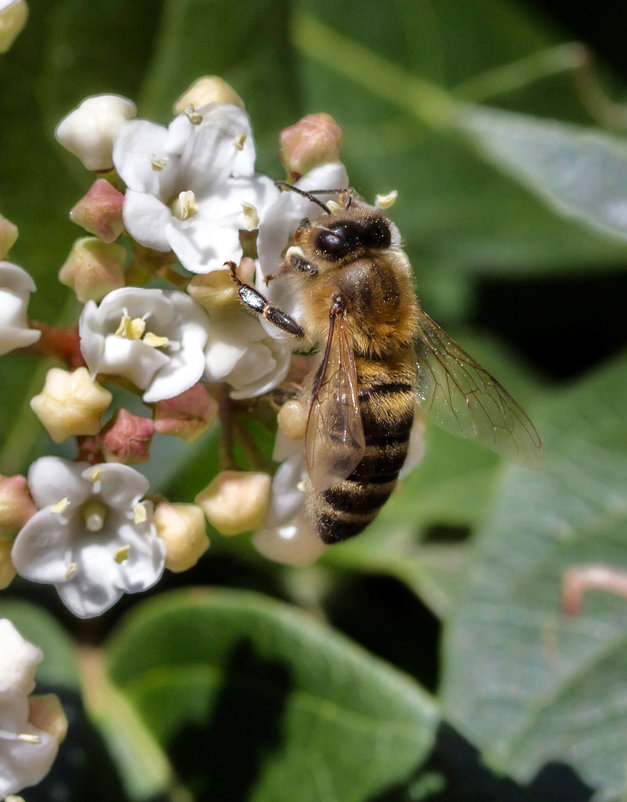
(27, 750)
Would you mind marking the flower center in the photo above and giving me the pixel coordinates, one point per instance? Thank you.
(94, 514)
(184, 205)
(135, 329)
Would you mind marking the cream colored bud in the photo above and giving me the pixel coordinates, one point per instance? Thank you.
(46, 713)
(236, 501)
(16, 505)
(88, 131)
(7, 569)
(208, 89)
(217, 291)
(312, 141)
(93, 268)
(8, 236)
(183, 530)
(12, 21)
(292, 419)
(70, 403)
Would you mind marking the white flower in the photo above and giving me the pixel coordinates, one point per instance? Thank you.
(287, 535)
(277, 227)
(15, 289)
(18, 658)
(26, 752)
(154, 338)
(240, 352)
(93, 537)
(88, 131)
(190, 186)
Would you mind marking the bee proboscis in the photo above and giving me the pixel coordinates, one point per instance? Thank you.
(379, 353)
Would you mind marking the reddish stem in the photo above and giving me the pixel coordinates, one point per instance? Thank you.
(58, 343)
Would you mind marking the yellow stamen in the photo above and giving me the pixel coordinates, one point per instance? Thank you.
(61, 506)
(386, 201)
(122, 554)
(28, 738)
(131, 329)
(192, 116)
(154, 340)
(158, 163)
(251, 217)
(70, 570)
(240, 138)
(95, 474)
(334, 206)
(140, 516)
(184, 206)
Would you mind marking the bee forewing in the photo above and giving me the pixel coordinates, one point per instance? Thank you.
(334, 441)
(466, 400)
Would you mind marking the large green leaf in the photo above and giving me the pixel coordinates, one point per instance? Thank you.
(529, 686)
(254, 700)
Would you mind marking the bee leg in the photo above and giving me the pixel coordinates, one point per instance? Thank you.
(254, 300)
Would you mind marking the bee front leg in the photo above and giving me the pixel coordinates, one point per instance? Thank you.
(255, 300)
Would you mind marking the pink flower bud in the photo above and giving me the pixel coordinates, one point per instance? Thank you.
(16, 505)
(100, 211)
(126, 438)
(93, 268)
(313, 141)
(187, 415)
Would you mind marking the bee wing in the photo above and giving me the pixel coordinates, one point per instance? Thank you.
(466, 400)
(334, 440)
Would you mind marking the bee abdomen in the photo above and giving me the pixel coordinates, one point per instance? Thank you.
(344, 510)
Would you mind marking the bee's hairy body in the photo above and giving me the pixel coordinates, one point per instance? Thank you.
(376, 286)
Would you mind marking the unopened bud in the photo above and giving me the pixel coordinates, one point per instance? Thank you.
(217, 291)
(70, 403)
(46, 713)
(12, 21)
(235, 501)
(18, 658)
(88, 131)
(187, 415)
(208, 89)
(93, 268)
(16, 505)
(182, 529)
(7, 569)
(8, 236)
(312, 141)
(100, 211)
(294, 543)
(126, 438)
(292, 419)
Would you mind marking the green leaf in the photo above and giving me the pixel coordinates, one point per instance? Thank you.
(529, 686)
(249, 696)
(581, 172)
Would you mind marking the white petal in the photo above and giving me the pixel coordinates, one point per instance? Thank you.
(43, 549)
(146, 216)
(132, 359)
(15, 278)
(137, 146)
(201, 245)
(18, 658)
(294, 543)
(120, 485)
(51, 478)
(263, 367)
(22, 764)
(182, 370)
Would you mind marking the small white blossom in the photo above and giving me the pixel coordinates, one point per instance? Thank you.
(88, 131)
(190, 184)
(18, 659)
(93, 537)
(240, 352)
(26, 752)
(154, 338)
(277, 227)
(15, 289)
(287, 535)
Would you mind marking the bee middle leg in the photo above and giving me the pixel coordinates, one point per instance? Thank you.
(255, 300)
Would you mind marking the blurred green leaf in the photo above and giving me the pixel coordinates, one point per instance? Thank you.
(250, 697)
(581, 172)
(530, 687)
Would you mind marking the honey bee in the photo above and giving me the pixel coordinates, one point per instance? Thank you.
(379, 353)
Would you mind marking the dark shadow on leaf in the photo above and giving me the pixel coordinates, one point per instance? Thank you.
(222, 759)
(454, 772)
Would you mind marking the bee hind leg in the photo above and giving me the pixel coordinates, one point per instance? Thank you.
(255, 300)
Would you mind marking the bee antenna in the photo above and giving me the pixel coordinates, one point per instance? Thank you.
(308, 195)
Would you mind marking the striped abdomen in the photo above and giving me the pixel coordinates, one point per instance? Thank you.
(386, 398)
